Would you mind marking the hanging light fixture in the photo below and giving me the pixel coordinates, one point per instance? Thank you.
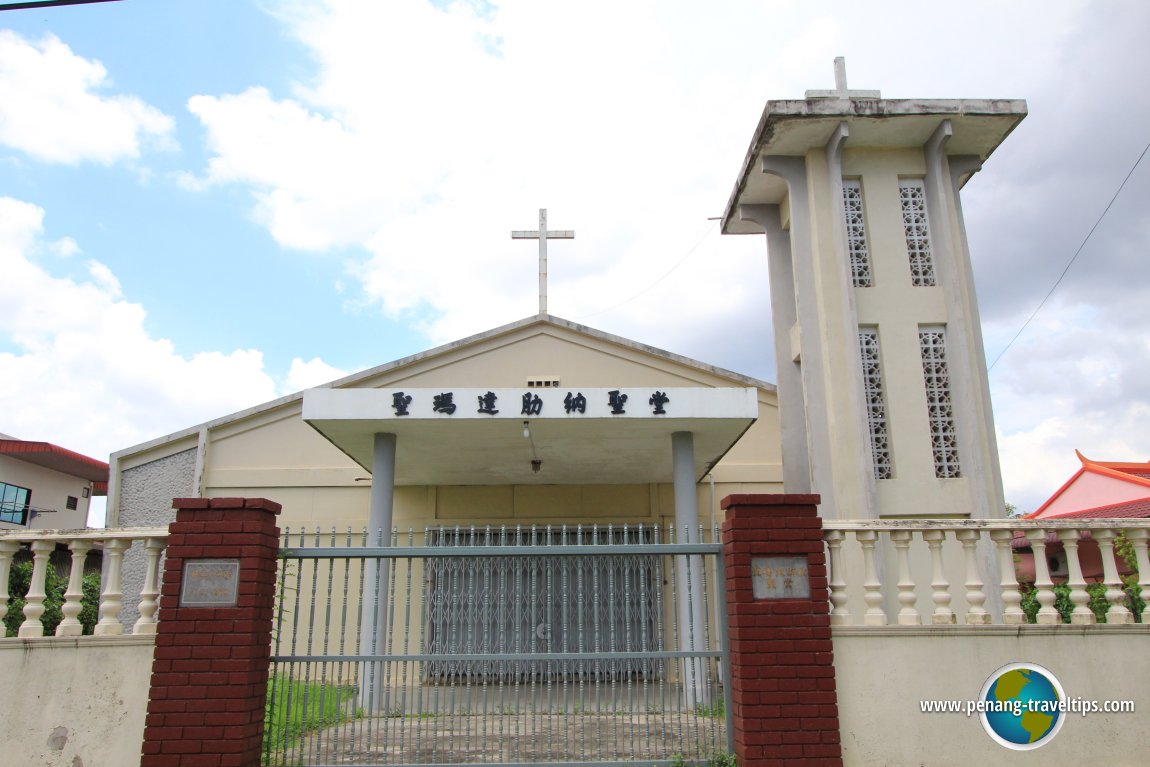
(536, 463)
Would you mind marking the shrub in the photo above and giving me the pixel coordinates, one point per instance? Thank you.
(1097, 604)
(20, 579)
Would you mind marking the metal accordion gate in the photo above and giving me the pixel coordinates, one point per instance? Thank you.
(563, 645)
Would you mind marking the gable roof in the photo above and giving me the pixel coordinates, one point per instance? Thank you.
(542, 322)
(1135, 474)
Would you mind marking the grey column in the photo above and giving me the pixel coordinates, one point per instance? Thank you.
(689, 570)
(788, 373)
(372, 639)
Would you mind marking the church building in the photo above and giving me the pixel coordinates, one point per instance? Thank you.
(540, 421)
(882, 406)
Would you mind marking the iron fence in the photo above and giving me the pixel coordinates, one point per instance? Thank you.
(567, 644)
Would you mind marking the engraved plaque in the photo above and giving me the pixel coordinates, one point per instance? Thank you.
(210, 583)
(780, 578)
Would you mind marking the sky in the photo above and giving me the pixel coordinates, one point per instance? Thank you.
(207, 204)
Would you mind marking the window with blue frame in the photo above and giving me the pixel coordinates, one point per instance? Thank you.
(14, 503)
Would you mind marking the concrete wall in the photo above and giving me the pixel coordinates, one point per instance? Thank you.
(146, 493)
(74, 702)
(883, 675)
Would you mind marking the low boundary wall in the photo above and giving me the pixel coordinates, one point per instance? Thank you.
(884, 673)
(74, 702)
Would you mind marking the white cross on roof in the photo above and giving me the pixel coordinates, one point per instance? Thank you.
(542, 234)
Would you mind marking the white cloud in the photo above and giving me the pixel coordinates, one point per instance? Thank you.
(53, 108)
(1075, 382)
(86, 373)
(65, 247)
(304, 375)
(428, 134)
(425, 134)
(104, 279)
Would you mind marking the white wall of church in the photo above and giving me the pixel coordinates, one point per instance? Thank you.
(275, 454)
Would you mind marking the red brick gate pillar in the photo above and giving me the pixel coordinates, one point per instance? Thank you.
(785, 709)
(210, 667)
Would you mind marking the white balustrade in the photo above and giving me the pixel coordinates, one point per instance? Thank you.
(1047, 615)
(907, 614)
(78, 545)
(1138, 539)
(871, 584)
(1079, 597)
(976, 614)
(8, 549)
(942, 614)
(1115, 593)
(1012, 614)
(1000, 570)
(73, 598)
(34, 599)
(150, 593)
(837, 583)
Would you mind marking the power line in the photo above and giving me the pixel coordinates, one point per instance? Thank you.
(48, 4)
(1071, 262)
(656, 282)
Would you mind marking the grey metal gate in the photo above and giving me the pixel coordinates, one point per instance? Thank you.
(566, 645)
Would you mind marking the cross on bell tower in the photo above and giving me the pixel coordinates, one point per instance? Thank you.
(542, 234)
(841, 91)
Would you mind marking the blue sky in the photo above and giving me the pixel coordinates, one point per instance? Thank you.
(207, 204)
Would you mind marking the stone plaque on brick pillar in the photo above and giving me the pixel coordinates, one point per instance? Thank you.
(210, 583)
(784, 707)
(780, 578)
(213, 641)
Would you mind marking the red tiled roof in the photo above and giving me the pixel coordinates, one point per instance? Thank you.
(1136, 474)
(56, 458)
(1138, 509)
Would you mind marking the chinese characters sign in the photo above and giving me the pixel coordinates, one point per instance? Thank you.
(615, 401)
(210, 583)
(780, 578)
(410, 404)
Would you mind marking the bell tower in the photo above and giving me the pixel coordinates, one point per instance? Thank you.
(883, 391)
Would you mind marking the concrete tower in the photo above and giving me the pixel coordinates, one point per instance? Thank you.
(883, 391)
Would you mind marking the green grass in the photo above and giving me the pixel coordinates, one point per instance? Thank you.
(296, 708)
(716, 710)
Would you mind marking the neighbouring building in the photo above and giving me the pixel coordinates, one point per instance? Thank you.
(1100, 489)
(45, 486)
